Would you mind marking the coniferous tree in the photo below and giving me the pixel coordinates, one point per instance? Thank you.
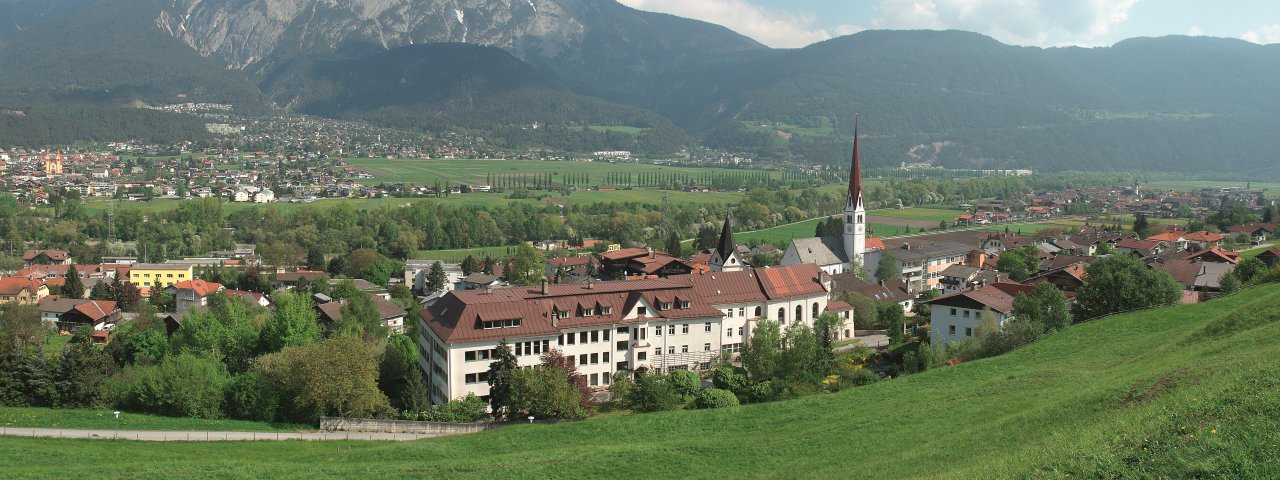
(74, 286)
(500, 371)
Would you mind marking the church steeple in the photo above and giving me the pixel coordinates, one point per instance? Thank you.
(855, 170)
(855, 215)
(726, 258)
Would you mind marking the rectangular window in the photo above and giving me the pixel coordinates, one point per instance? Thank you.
(546, 345)
(622, 329)
(595, 358)
(968, 332)
(469, 356)
(684, 304)
(594, 379)
(684, 329)
(622, 345)
(742, 311)
(966, 314)
(561, 340)
(951, 329)
(706, 347)
(739, 331)
(706, 327)
(604, 378)
(595, 336)
(729, 313)
(671, 329)
(606, 311)
(642, 356)
(571, 338)
(643, 331)
(604, 357)
(657, 352)
(684, 349)
(582, 359)
(953, 312)
(671, 350)
(641, 310)
(582, 337)
(728, 332)
(657, 331)
(605, 333)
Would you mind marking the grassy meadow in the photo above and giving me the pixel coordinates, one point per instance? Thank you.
(1178, 392)
(105, 419)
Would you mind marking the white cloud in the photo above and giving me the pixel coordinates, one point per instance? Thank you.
(770, 27)
(1195, 31)
(1027, 22)
(1266, 34)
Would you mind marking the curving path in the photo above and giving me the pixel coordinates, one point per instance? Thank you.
(193, 436)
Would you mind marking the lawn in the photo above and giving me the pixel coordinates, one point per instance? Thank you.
(1272, 188)
(104, 419)
(931, 214)
(1178, 392)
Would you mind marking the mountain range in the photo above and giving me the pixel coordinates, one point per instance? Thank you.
(943, 98)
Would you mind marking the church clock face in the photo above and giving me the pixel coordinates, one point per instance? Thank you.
(858, 228)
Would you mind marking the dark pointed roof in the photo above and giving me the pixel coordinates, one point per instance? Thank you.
(855, 170)
(727, 247)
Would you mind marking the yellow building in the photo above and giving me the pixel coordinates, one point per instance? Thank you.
(145, 275)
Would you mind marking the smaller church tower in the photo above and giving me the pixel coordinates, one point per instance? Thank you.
(726, 257)
(855, 214)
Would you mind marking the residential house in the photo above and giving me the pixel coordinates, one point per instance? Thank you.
(1256, 232)
(959, 277)
(390, 315)
(1204, 240)
(415, 275)
(956, 316)
(1270, 257)
(921, 263)
(299, 278)
(22, 291)
(193, 294)
(46, 257)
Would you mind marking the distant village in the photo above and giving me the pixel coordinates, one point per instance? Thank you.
(617, 308)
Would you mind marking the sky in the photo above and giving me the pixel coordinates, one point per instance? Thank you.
(1044, 23)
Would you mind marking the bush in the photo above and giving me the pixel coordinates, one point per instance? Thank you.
(180, 386)
(652, 393)
(716, 398)
(250, 396)
(857, 377)
(80, 372)
(620, 388)
(468, 409)
(731, 378)
(768, 391)
(685, 382)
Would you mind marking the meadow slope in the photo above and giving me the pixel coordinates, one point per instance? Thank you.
(1188, 391)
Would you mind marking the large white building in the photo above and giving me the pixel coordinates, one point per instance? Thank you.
(682, 322)
(416, 271)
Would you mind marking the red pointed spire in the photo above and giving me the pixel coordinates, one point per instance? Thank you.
(855, 170)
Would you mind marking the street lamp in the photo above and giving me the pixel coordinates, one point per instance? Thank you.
(530, 418)
(117, 412)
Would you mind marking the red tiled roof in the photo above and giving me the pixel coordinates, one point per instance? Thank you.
(201, 287)
(55, 255)
(97, 309)
(15, 285)
(624, 254)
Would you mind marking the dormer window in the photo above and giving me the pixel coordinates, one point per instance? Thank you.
(588, 312)
(684, 304)
(496, 324)
(664, 305)
(606, 310)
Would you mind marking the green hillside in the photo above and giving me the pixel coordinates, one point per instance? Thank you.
(1179, 392)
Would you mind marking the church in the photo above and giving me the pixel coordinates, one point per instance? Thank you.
(833, 254)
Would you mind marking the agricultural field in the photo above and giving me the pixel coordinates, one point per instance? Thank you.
(1272, 189)
(476, 171)
(629, 130)
(1178, 392)
(458, 255)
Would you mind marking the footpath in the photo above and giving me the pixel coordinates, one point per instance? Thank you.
(193, 436)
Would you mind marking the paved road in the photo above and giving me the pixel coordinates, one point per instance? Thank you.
(181, 436)
(870, 338)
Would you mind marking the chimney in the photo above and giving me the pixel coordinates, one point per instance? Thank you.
(488, 288)
(544, 286)
(591, 283)
(906, 245)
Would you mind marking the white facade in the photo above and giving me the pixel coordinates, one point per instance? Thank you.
(952, 324)
(638, 341)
